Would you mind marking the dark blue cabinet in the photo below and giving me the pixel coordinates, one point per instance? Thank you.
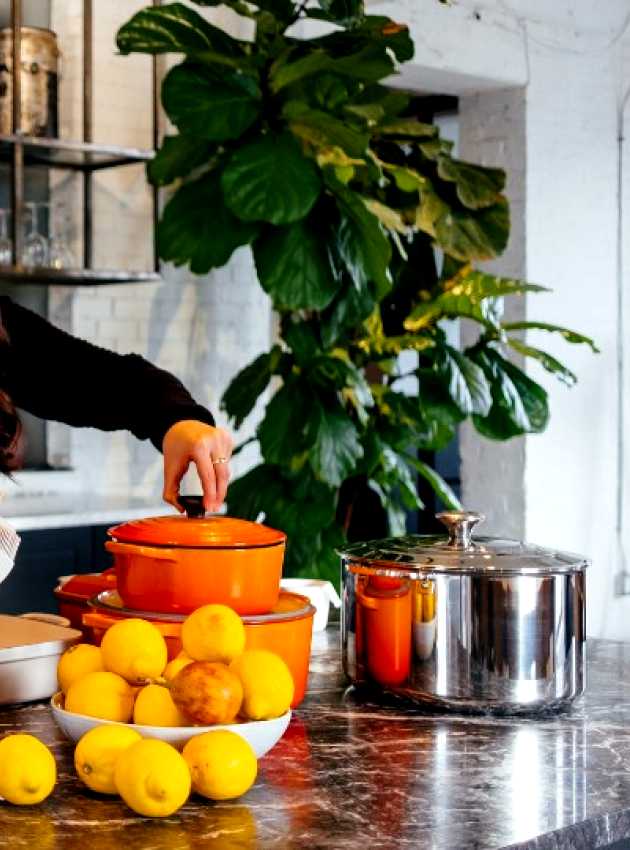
(43, 556)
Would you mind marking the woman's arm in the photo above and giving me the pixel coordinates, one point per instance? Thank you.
(57, 376)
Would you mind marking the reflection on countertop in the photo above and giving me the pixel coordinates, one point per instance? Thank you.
(352, 774)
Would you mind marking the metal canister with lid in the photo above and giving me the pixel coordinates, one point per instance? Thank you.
(38, 81)
(465, 623)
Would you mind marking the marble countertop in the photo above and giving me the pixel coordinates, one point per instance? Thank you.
(357, 775)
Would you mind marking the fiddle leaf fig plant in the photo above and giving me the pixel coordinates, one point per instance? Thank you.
(366, 233)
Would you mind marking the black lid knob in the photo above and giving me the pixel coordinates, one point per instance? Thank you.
(193, 505)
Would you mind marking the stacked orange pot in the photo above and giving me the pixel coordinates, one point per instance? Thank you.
(168, 566)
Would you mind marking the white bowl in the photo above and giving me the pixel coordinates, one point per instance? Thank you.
(321, 594)
(262, 735)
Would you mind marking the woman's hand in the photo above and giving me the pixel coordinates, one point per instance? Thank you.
(209, 449)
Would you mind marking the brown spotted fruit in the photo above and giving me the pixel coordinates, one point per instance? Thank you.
(207, 692)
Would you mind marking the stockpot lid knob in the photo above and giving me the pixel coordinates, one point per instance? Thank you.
(460, 525)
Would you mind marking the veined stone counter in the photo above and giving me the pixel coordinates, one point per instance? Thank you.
(357, 775)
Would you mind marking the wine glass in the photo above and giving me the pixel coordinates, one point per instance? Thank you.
(6, 246)
(59, 254)
(35, 251)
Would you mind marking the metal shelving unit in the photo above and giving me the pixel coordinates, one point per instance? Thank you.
(84, 156)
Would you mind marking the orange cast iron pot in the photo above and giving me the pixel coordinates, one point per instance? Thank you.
(286, 630)
(176, 564)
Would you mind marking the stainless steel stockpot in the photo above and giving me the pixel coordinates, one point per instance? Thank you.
(483, 624)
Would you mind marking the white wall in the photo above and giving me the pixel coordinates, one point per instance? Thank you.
(559, 142)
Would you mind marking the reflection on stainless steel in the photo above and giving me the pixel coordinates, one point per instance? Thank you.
(478, 638)
(500, 644)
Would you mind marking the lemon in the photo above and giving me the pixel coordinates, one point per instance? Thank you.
(267, 684)
(222, 764)
(97, 752)
(27, 770)
(155, 707)
(135, 649)
(173, 667)
(213, 633)
(103, 695)
(80, 659)
(152, 778)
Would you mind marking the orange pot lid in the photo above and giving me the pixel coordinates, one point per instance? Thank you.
(214, 532)
(108, 604)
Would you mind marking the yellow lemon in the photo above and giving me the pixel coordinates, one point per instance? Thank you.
(267, 684)
(155, 707)
(103, 695)
(80, 659)
(97, 752)
(27, 770)
(222, 764)
(173, 667)
(135, 649)
(152, 778)
(213, 633)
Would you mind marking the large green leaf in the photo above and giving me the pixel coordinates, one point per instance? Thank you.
(301, 338)
(210, 107)
(198, 229)
(336, 446)
(361, 242)
(174, 28)
(294, 266)
(547, 361)
(320, 129)
(376, 31)
(479, 235)
(351, 306)
(371, 63)
(284, 10)
(239, 6)
(392, 102)
(477, 186)
(439, 486)
(467, 384)
(244, 390)
(285, 433)
(336, 371)
(270, 180)
(465, 297)
(342, 11)
(565, 333)
(403, 128)
(298, 507)
(519, 405)
(178, 156)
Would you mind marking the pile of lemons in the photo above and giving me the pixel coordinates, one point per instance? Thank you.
(213, 680)
(151, 776)
(129, 680)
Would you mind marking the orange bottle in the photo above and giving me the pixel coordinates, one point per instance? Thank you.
(387, 619)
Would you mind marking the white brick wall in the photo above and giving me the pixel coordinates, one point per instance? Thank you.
(203, 330)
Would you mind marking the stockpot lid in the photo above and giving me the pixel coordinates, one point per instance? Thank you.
(461, 553)
(213, 532)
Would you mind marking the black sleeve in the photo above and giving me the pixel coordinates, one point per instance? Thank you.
(57, 376)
